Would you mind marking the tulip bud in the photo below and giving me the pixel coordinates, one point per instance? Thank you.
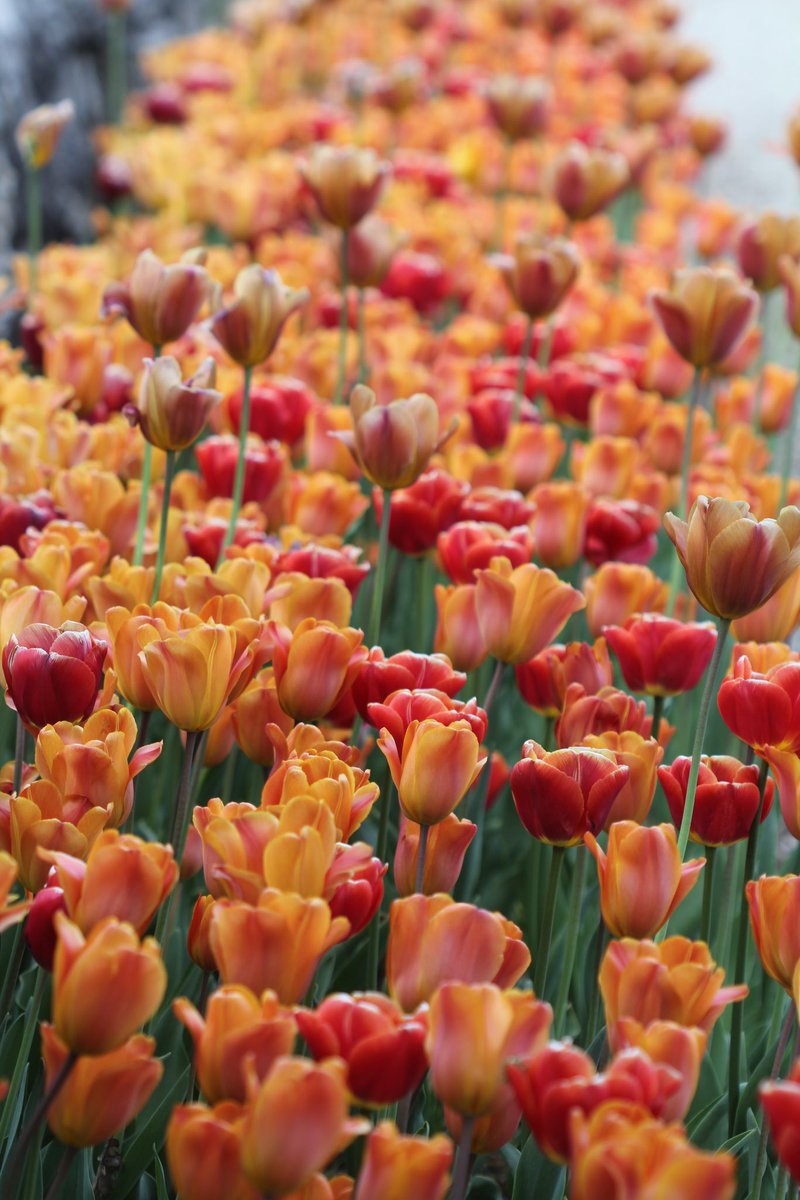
(170, 412)
(727, 800)
(314, 666)
(250, 326)
(448, 842)
(433, 768)
(204, 1152)
(345, 181)
(396, 1167)
(705, 314)
(660, 656)
(518, 106)
(392, 443)
(774, 904)
(371, 246)
(585, 181)
(540, 273)
(40, 930)
(560, 796)
(39, 132)
(160, 303)
(761, 245)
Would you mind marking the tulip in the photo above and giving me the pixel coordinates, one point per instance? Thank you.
(392, 443)
(38, 133)
(520, 610)
(560, 796)
(276, 944)
(40, 817)
(248, 329)
(322, 774)
(661, 656)
(10, 914)
(122, 877)
(623, 1142)
(295, 1122)
(734, 563)
(780, 1100)
(32, 605)
(641, 755)
(763, 709)
(378, 676)
(86, 970)
(458, 634)
(159, 302)
(395, 1167)
(434, 940)
(170, 412)
(559, 522)
(198, 935)
(314, 666)
(237, 1029)
(192, 672)
(761, 245)
(204, 1152)
(371, 246)
(774, 621)
(322, 562)
(103, 1093)
(518, 106)
(607, 710)
(469, 546)
(471, 1027)
(674, 980)
(422, 511)
(540, 273)
(543, 681)
(671, 1045)
(419, 704)
(773, 903)
(433, 768)
(447, 845)
(256, 708)
(40, 931)
(727, 801)
(383, 1049)
(585, 181)
(705, 314)
(620, 590)
(620, 531)
(264, 468)
(53, 674)
(345, 181)
(642, 880)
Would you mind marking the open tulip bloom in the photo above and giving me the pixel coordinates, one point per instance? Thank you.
(399, 593)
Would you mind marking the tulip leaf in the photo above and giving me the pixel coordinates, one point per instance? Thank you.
(536, 1175)
(138, 1153)
(162, 1190)
(736, 1144)
(482, 1187)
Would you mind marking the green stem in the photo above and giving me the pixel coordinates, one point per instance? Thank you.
(116, 65)
(709, 691)
(658, 713)
(344, 318)
(789, 448)
(162, 537)
(422, 850)
(546, 928)
(33, 1127)
(12, 973)
(594, 1009)
(373, 949)
(180, 826)
(33, 198)
(60, 1177)
(570, 938)
(708, 893)
(26, 1041)
(241, 463)
(524, 357)
(376, 606)
(780, 1184)
(363, 369)
(740, 964)
(144, 499)
(19, 755)
(683, 502)
(494, 685)
(761, 1155)
(461, 1170)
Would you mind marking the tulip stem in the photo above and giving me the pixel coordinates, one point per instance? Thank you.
(708, 893)
(15, 1166)
(599, 943)
(658, 713)
(740, 963)
(116, 65)
(344, 318)
(373, 948)
(60, 1177)
(12, 973)
(524, 358)
(33, 197)
(144, 504)
(709, 691)
(789, 447)
(162, 536)
(422, 850)
(463, 1162)
(179, 829)
(381, 563)
(491, 691)
(19, 755)
(683, 502)
(241, 463)
(29, 1028)
(761, 1153)
(570, 939)
(546, 927)
(363, 369)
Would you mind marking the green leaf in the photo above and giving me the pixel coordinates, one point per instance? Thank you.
(138, 1153)
(162, 1191)
(736, 1144)
(536, 1176)
(482, 1187)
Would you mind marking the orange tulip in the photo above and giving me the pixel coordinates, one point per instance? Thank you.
(41, 818)
(105, 986)
(622, 1141)
(10, 914)
(585, 181)
(237, 1028)
(295, 1122)
(518, 105)
(192, 672)
(559, 522)
(298, 597)
(705, 314)
(762, 242)
(458, 634)
(204, 1152)
(434, 940)
(90, 762)
(396, 1167)
(252, 712)
(472, 1030)
(38, 133)
(345, 181)
(641, 755)
(520, 610)
(539, 273)
(670, 1045)
(198, 936)
(434, 768)
(122, 877)
(674, 980)
(321, 773)
(314, 665)
(642, 880)
(102, 1093)
(276, 944)
(733, 563)
(448, 842)
(774, 903)
(618, 590)
(774, 621)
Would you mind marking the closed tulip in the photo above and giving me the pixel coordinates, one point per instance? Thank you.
(780, 1099)
(642, 880)
(469, 546)
(559, 796)
(314, 665)
(540, 273)
(249, 327)
(705, 314)
(433, 768)
(518, 106)
(774, 902)
(661, 656)
(192, 672)
(733, 562)
(38, 133)
(434, 940)
(384, 1049)
(448, 842)
(585, 180)
(458, 634)
(238, 1028)
(53, 674)
(395, 1167)
(727, 800)
(559, 522)
(618, 591)
(345, 181)
(88, 971)
(159, 302)
(204, 1152)
(102, 1093)
(544, 679)
(520, 610)
(761, 244)
(392, 443)
(763, 708)
(609, 709)
(379, 676)
(171, 412)
(672, 1045)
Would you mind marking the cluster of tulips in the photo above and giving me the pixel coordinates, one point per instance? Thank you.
(407, 346)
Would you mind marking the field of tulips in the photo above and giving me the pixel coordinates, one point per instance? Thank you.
(399, 565)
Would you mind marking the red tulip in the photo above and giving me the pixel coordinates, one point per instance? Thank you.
(278, 409)
(726, 801)
(53, 674)
(763, 710)
(264, 466)
(421, 704)
(470, 546)
(661, 656)
(620, 531)
(422, 511)
(497, 506)
(563, 795)
(323, 562)
(379, 677)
